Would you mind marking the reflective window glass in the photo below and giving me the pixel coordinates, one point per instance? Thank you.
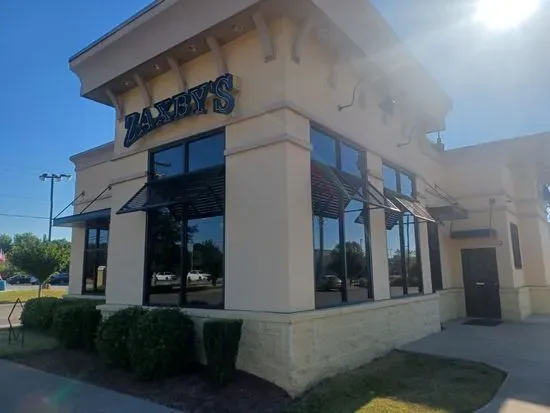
(205, 277)
(357, 264)
(164, 248)
(168, 162)
(207, 152)
(394, 262)
(352, 161)
(91, 240)
(406, 185)
(95, 261)
(324, 148)
(412, 260)
(390, 178)
(103, 238)
(327, 262)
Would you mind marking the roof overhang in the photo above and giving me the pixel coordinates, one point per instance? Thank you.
(101, 216)
(167, 29)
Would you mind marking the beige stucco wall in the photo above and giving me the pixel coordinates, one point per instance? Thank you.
(76, 268)
(93, 176)
(295, 351)
(269, 245)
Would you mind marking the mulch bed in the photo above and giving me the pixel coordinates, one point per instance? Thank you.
(190, 393)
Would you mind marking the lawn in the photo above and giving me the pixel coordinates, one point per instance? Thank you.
(33, 343)
(403, 382)
(10, 296)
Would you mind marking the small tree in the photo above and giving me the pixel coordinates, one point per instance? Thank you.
(34, 256)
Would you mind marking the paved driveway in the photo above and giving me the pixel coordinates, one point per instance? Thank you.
(520, 349)
(25, 390)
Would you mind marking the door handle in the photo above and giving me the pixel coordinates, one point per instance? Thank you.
(480, 284)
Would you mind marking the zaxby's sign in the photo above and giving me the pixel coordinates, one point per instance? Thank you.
(192, 102)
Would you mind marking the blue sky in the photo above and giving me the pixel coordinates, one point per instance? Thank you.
(497, 80)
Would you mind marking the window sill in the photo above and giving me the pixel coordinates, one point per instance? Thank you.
(97, 297)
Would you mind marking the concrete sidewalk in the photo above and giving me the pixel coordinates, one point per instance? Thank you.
(25, 390)
(520, 349)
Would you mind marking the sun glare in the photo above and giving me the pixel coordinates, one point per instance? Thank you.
(505, 14)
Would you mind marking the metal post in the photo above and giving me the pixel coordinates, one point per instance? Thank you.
(51, 209)
(51, 177)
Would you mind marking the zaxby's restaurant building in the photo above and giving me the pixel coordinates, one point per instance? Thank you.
(270, 163)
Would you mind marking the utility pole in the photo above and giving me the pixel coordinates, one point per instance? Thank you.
(53, 178)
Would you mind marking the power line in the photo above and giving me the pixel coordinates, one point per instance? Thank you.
(21, 216)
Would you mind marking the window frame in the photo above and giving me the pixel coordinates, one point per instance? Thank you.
(96, 250)
(339, 141)
(404, 271)
(516, 246)
(184, 258)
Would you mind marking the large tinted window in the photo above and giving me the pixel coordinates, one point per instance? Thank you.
(340, 224)
(95, 261)
(205, 153)
(324, 148)
(186, 237)
(405, 272)
(168, 162)
(352, 160)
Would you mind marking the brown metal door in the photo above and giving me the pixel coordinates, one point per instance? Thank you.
(481, 287)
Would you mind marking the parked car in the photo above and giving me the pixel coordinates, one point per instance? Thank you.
(165, 276)
(197, 275)
(58, 279)
(23, 279)
(329, 283)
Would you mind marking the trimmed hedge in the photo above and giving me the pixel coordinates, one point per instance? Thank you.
(161, 344)
(76, 325)
(38, 313)
(112, 337)
(221, 344)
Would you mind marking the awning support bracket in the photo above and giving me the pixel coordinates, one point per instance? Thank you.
(96, 198)
(80, 195)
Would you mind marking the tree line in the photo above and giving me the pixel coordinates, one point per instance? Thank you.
(28, 254)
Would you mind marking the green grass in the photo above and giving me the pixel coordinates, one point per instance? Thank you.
(403, 382)
(34, 342)
(10, 296)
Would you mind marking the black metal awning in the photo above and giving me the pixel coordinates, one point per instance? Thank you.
(101, 216)
(332, 189)
(195, 195)
(411, 206)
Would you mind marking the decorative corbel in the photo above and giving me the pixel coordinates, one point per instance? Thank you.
(177, 73)
(266, 41)
(217, 55)
(116, 103)
(145, 93)
(301, 38)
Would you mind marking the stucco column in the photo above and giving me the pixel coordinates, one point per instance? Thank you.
(268, 221)
(76, 270)
(379, 247)
(422, 228)
(126, 254)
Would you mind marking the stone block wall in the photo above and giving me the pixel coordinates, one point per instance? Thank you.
(295, 351)
(451, 304)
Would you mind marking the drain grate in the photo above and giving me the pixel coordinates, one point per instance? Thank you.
(484, 322)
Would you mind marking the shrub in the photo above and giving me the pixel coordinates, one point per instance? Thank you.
(76, 325)
(38, 312)
(221, 344)
(112, 336)
(161, 344)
